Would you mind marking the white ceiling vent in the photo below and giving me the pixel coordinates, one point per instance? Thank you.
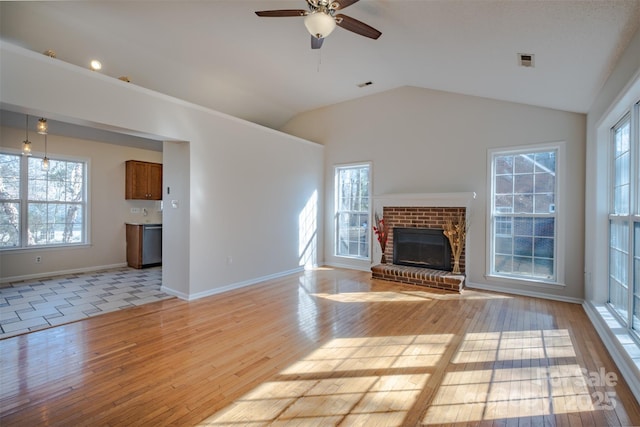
(526, 60)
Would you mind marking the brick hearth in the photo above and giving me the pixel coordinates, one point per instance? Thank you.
(419, 276)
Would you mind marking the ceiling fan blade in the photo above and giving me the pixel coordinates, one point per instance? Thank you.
(282, 13)
(316, 43)
(357, 27)
(341, 4)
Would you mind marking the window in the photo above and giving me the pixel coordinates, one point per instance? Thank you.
(42, 208)
(624, 221)
(352, 211)
(619, 221)
(523, 218)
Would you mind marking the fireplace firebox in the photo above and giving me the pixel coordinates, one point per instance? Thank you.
(421, 247)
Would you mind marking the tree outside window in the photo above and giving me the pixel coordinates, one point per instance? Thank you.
(41, 208)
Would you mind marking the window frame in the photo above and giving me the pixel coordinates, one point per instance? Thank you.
(336, 212)
(560, 216)
(24, 202)
(625, 315)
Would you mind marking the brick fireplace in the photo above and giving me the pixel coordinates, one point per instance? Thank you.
(420, 217)
(427, 211)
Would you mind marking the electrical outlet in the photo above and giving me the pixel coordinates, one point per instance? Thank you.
(38, 259)
(135, 210)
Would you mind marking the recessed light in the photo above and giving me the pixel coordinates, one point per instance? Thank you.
(95, 65)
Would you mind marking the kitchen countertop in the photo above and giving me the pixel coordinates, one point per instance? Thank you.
(143, 223)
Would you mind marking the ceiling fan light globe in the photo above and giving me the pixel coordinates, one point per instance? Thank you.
(319, 24)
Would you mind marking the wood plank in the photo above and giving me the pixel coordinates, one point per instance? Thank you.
(321, 347)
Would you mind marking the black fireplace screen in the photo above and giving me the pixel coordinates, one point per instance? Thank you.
(421, 247)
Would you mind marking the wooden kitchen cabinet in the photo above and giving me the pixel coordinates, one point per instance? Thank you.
(143, 180)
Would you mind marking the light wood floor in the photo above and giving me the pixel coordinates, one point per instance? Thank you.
(327, 347)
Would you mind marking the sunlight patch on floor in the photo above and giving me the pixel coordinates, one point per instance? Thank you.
(515, 345)
(518, 385)
(376, 297)
(529, 374)
(361, 381)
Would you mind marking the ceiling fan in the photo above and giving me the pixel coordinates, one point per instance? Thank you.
(321, 19)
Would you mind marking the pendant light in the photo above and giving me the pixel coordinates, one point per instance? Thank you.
(42, 127)
(26, 144)
(45, 161)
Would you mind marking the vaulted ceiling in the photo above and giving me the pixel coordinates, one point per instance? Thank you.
(219, 54)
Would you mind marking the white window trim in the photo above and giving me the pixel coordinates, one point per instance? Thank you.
(334, 234)
(560, 243)
(87, 231)
(632, 113)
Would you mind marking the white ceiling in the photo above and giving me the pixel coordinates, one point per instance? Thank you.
(219, 54)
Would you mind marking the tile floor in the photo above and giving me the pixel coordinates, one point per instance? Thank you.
(41, 303)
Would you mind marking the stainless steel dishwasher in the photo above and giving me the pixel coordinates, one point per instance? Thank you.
(152, 244)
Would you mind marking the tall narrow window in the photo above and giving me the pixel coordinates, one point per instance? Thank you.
(10, 202)
(624, 220)
(352, 211)
(620, 221)
(524, 214)
(42, 208)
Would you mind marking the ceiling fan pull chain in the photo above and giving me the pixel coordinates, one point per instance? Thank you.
(319, 59)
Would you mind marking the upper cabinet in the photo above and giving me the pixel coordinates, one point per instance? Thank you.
(143, 181)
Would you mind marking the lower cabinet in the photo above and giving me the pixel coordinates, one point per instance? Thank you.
(144, 245)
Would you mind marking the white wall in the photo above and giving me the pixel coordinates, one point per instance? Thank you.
(176, 187)
(107, 205)
(426, 141)
(247, 183)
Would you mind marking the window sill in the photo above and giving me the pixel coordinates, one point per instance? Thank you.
(623, 346)
(624, 337)
(43, 248)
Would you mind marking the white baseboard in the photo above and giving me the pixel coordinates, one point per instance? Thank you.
(521, 292)
(231, 287)
(175, 293)
(60, 273)
(348, 266)
(630, 372)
